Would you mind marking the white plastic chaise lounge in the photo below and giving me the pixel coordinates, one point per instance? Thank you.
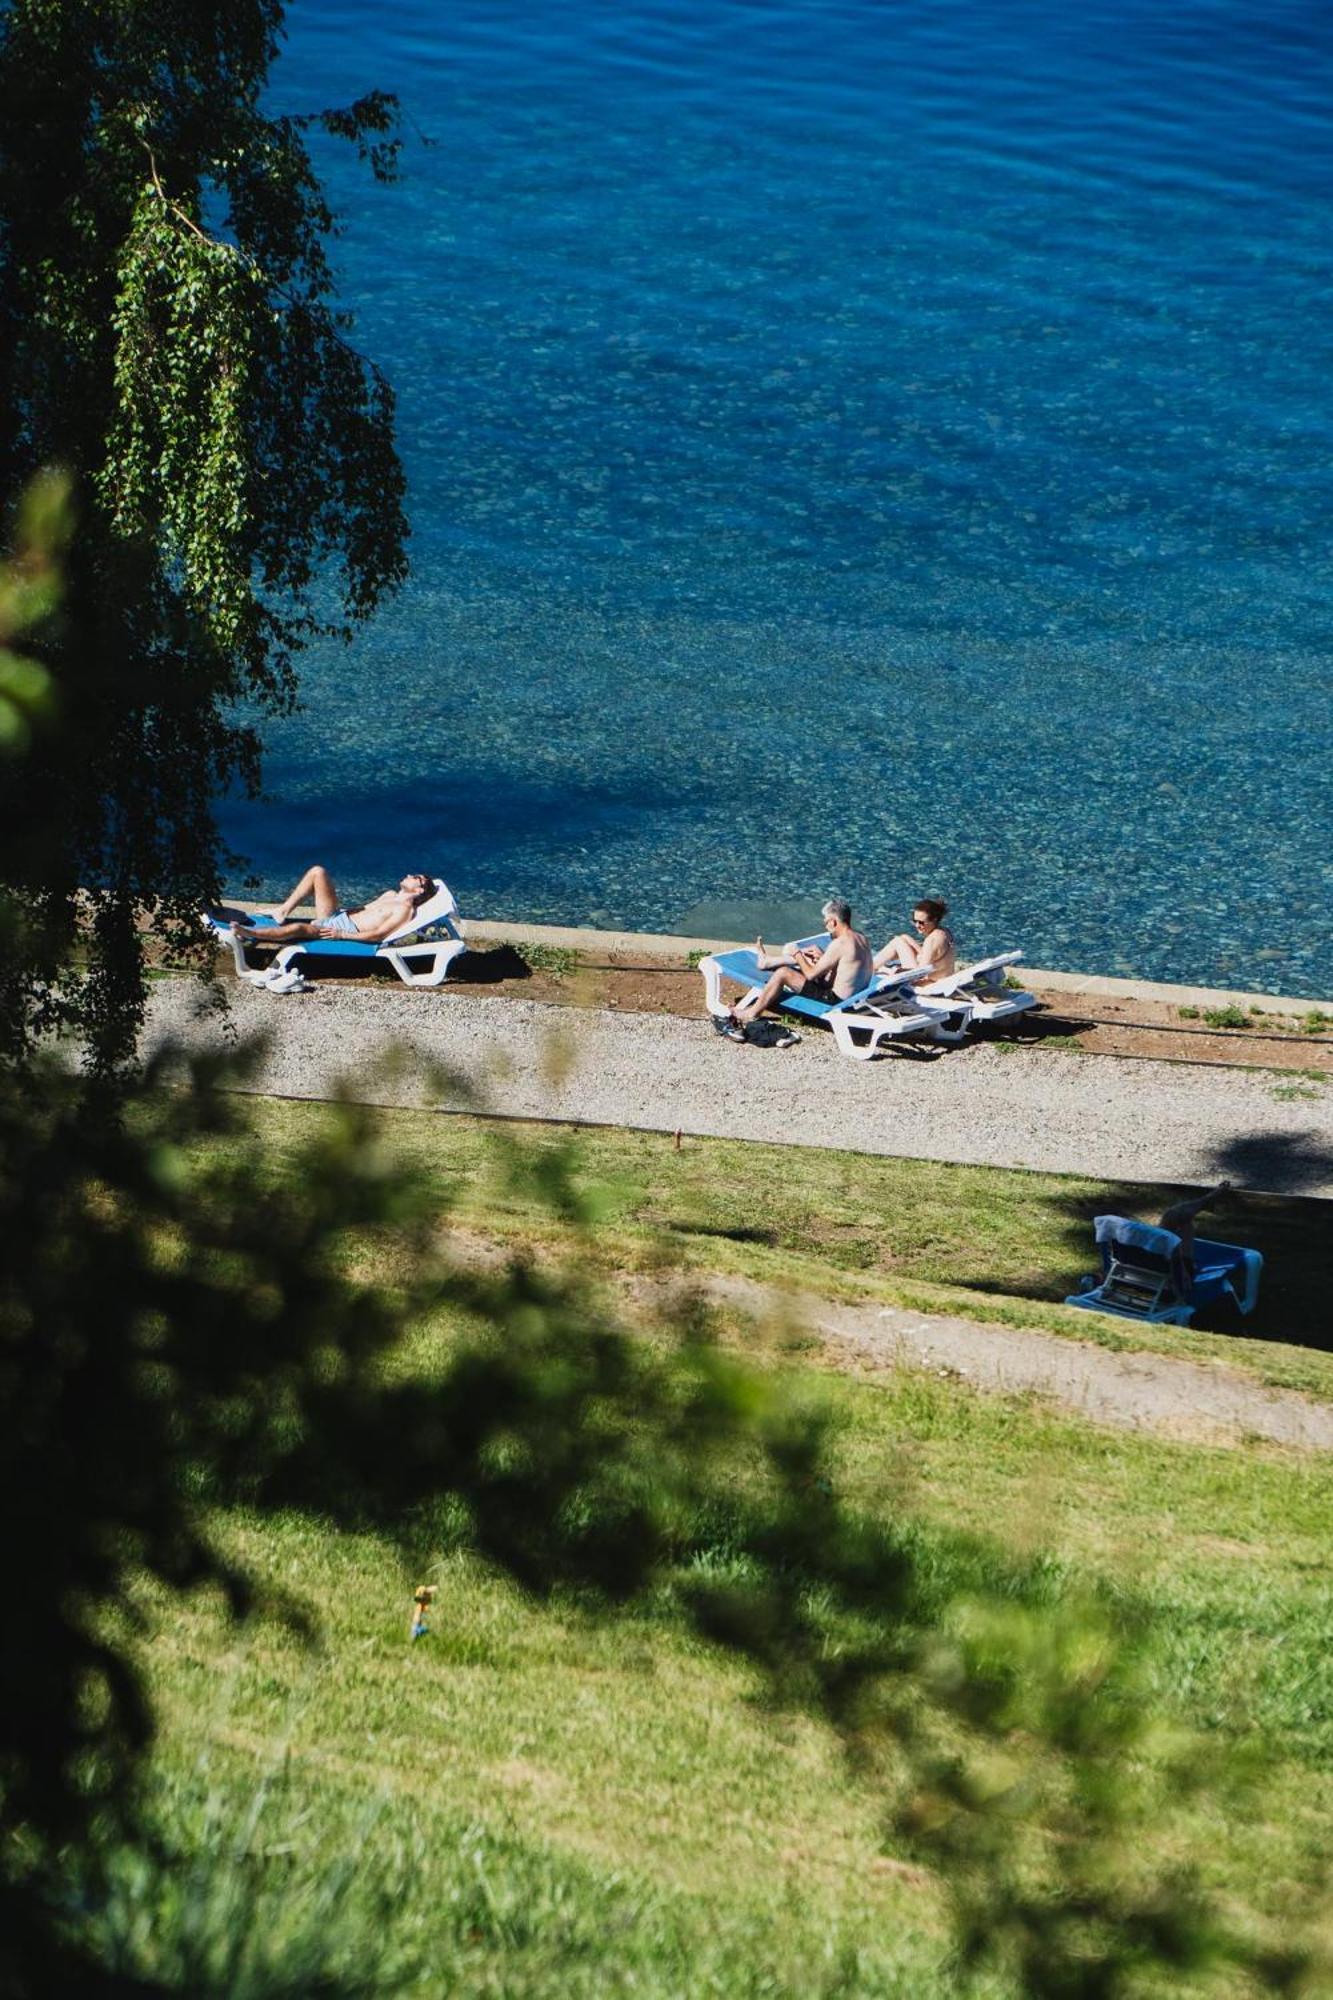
(420, 951)
(983, 985)
(882, 1012)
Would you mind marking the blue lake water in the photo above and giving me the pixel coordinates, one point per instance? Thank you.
(860, 447)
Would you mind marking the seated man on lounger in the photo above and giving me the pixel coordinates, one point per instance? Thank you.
(371, 924)
(936, 948)
(841, 969)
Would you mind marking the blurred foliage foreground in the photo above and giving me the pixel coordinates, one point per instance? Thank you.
(179, 1334)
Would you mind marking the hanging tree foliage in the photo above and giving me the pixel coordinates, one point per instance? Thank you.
(168, 334)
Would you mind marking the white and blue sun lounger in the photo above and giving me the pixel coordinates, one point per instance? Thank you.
(886, 1010)
(1145, 1274)
(982, 985)
(420, 952)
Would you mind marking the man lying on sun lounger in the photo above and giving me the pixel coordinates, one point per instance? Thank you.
(372, 923)
(841, 969)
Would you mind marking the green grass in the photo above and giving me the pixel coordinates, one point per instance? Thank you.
(1043, 1038)
(1315, 1022)
(551, 1804)
(1302, 1086)
(561, 961)
(535, 1802)
(374, 1887)
(984, 1242)
(623, 1786)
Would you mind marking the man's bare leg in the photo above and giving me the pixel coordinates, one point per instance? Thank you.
(316, 882)
(1179, 1218)
(785, 980)
(769, 961)
(301, 932)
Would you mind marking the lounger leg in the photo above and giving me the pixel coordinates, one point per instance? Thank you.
(950, 1029)
(244, 970)
(441, 957)
(844, 1036)
(1252, 1270)
(712, 985)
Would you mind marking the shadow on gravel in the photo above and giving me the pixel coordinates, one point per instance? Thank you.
(1293, 1161)
(1028, 1030)
(488, 966)
(1294, 1233)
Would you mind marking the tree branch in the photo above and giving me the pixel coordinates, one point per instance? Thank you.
(294, 304)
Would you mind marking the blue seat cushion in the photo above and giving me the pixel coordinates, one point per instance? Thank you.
(337, 948)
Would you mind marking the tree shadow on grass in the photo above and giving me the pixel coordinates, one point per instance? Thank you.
(741, 1233)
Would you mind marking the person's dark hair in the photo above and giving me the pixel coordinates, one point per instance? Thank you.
(935, 908)
(836, 907)
(429, 889)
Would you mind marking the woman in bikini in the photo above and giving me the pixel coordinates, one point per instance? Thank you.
(936, 948)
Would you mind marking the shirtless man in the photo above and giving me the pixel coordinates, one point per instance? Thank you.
(936, 948)
(842, 968)
(371, 924)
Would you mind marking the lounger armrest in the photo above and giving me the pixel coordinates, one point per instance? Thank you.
(978, 969)
(902, 975)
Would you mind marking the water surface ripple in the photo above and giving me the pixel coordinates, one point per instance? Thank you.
(859, 446)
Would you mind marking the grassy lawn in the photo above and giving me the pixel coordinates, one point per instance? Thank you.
(536, 1802)
(987, 1243)
(561, 1805)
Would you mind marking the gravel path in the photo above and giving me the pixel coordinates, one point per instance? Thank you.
(1137, 1391)
(1105, 1117)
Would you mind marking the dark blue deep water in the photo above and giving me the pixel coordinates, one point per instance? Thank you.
(875, 447)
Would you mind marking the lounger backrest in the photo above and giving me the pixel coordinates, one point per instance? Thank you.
(1142, 1257)
(438, 907)
(1124, 1233)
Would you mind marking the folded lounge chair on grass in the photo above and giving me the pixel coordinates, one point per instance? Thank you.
(421, 952)
(884, 1011)
(1145, 1274)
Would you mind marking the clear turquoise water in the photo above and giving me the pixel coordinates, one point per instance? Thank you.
(883, 448)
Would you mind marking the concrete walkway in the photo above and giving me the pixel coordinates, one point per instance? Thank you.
(1108, 1118)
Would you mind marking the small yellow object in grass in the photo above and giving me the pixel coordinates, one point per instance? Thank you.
(422, 1598)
